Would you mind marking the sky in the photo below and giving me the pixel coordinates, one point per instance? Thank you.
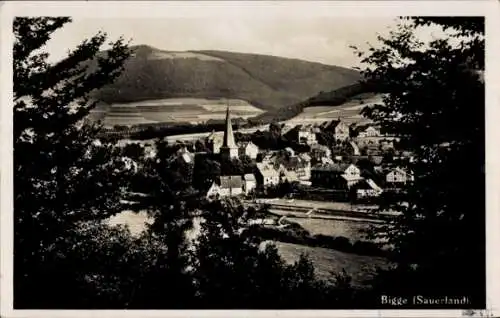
(319, 39)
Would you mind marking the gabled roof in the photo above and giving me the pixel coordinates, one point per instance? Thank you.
(336, 167)
(333, 124)
(267, 170)
(244, 144)
(227, 182)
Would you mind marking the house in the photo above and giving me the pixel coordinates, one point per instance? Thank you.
(249, 182)
(318, 152)
(185, 155)
(367, 188)
(266, 175)
(336, 176)
(224, 186)
(214, 142)
(303, 134)
(398, 176)
(287, 175)
(249, 149)
(305, 157)
(369, 131)
(300, 167)
(339, 129)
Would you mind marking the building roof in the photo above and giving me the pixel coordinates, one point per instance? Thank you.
(228, 132)
(188, 157)
(304, 156)
(213, 135)
(227, 182)
(319, 147)
(244, 144)
(348, 177)
(355, 148)
(368, 184)
(249, 177)
(267, 170)
(333, 124)
(401, 170)
(335, 167)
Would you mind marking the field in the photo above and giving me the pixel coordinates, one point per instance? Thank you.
(349, 112)
(352, 230)
(173, 110)
(360, 268)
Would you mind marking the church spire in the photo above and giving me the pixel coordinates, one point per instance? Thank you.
(229, 148)
(228, 132)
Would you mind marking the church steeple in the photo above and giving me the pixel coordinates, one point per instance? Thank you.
(229, 148)
(228, 132)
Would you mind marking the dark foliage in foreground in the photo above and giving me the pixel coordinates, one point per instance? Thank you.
(68, 183)
(435, 101)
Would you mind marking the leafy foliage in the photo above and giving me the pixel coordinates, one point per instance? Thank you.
(62, 175)
(435, 101)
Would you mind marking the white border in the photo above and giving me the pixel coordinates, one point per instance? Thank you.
(128, 9)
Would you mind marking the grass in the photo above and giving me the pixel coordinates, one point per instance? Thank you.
(351, 230)
(360, 268)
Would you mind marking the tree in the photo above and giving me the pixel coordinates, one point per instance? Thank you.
(234, 268)
(63, 176)
(434, 100)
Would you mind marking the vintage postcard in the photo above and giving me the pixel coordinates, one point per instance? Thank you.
(171, 158)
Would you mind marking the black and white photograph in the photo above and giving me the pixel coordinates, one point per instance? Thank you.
(249, 156)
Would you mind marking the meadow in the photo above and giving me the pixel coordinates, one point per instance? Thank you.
(349, 112)
(173, 110)
(327, 261)
(349, 229)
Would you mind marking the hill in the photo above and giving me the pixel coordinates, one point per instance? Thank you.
(267, 82)
(335, 97)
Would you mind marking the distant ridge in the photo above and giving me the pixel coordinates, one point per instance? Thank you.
(268, 82)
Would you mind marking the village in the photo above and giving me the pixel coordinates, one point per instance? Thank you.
(331, 162)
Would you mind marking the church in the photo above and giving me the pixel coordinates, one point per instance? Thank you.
(225, 145)
(229, 150)
(230, 183)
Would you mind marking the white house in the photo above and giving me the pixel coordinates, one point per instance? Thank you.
(340, 129)
(307, 136)
(266, 175)
(369, 131)
(248, 149)
(186, 155)
(215, 141)
(398, 176)
(249, 182)
(225, 186)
